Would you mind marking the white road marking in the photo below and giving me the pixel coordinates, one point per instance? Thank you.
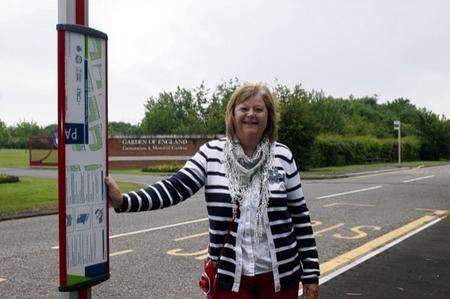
(350, 192)
(120, 252)
(2, 279)
(418, 179)
(157, 228)
(151, 229)
(377, 174)
(347, 204)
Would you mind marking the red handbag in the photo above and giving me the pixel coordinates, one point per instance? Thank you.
(208, 280)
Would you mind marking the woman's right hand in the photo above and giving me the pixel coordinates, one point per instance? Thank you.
(114, 194)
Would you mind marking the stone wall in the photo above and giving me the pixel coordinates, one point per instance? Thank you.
(151, 150)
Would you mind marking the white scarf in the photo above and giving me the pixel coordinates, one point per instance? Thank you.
(241, 170)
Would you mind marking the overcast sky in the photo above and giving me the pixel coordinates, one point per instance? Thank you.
(360, 47)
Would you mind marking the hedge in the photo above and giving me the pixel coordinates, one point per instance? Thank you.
(336, 150)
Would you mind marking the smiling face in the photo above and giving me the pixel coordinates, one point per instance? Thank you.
(250, 119)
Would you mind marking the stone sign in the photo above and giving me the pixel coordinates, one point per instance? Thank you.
(151, 150)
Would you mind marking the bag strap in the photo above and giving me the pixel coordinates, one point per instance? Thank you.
(225, 240)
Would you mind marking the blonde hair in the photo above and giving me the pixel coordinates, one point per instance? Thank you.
(242, 94)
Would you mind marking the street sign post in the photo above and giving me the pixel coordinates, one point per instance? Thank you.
(397, 127)
(82, 152)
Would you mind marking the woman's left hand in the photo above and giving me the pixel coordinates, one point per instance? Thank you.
(114, 194)
(310, 290)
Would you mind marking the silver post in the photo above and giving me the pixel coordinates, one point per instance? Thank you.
(397, 125)
(399, 144)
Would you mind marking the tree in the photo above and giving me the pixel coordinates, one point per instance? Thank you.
(217, 107)
(21, 132)
(433, 135)
(297, 126)
(329, 111)
(179, 112)
(122, 128)
(4, 135)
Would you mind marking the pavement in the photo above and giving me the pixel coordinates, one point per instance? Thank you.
(418, 267)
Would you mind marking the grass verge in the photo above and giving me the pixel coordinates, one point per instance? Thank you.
(14, 158)
(36, 195)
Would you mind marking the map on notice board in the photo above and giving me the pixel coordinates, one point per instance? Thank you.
(85, 158)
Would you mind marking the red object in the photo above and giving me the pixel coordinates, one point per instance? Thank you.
(208, 280)
(258, 286)
(82, 294)
(79, 13)
(107, 151)
(62, 157)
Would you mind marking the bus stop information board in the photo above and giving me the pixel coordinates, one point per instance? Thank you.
(82, 157)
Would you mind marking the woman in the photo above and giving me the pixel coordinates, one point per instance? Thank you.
(260, 229)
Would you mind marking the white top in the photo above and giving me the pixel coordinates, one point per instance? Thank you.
(255, 257)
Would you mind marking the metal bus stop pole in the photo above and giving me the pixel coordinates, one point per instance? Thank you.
(397, 127)
(74, 12)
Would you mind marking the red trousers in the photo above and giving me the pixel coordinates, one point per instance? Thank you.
(256, 287)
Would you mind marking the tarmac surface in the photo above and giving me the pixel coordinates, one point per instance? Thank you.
(159, 254)
(418, 267)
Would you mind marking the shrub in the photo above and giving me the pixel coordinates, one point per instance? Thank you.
(173, 167)
(337, 150)
(5, 178)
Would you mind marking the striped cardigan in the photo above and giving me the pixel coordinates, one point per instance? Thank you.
(291, 240)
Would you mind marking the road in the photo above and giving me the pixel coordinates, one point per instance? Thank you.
(159, 254)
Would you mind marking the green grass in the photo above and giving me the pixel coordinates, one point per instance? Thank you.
(14, 158)
(139, 171)
(20, 158)
(32, 194)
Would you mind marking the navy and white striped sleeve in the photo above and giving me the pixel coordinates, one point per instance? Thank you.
(171, 191)
(302, 224)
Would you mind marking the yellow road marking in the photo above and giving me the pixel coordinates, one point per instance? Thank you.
(372, 245)
(317, 233)
(191, 236)
(178, 252)
(201, 257)
(436, 212)
(347, 204)
(315, 223)
(359, 233)
(120, 252)
(2, 279)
